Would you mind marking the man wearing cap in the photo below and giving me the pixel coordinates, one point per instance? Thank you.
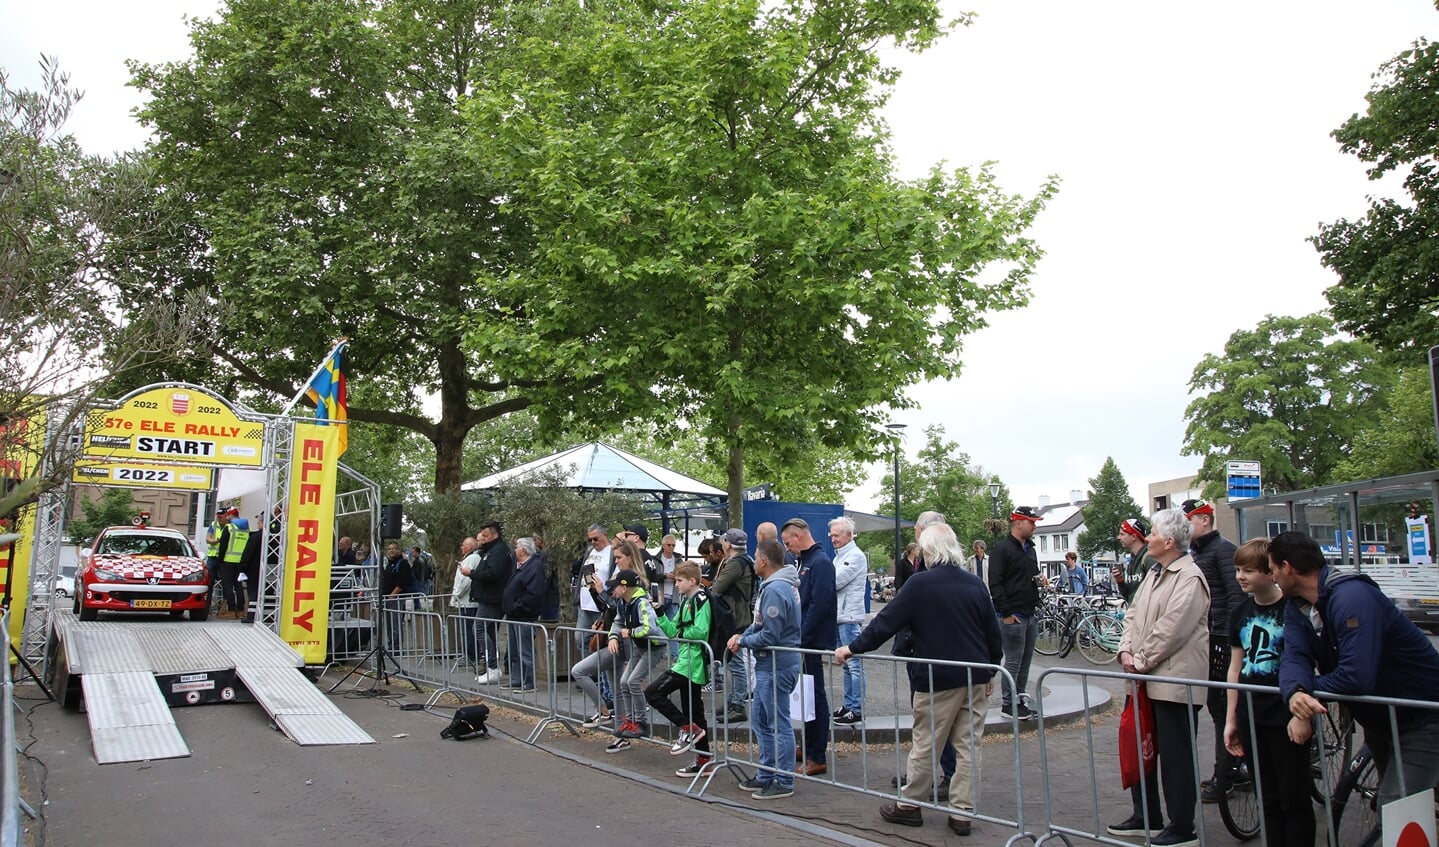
(1014, 585)
(487, 591)
(217, 541)
(734, 581)
(819, 630)
(654, 569)
(1132, 537)
(1214, 555)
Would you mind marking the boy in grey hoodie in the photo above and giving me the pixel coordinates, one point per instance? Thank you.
(776, 624)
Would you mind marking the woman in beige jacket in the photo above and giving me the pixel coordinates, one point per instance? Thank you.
(1166, 633)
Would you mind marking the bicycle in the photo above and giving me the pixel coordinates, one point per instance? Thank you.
(1095, 631)
(1240, 810)
(1358, 794)
(1336, 734)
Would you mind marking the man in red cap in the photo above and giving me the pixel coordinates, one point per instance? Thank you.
(1014, 586)
(1133, 535)
(1214, 555)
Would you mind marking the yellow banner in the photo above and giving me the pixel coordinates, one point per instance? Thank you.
(21, 441)
(185, 424)
(143, 475)
(309, 540)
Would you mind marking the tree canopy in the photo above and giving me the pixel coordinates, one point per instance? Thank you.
(1289, 394)
(1110, 504)
(61, 336)
(713, 203)
(1398, 437)
(316, 146)
(1388, 261)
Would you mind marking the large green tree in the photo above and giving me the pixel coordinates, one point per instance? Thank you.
(319, 151)
(1289, 394)
(1110, 504)
(1388, 261)
(61, 333)
(717, 174)
(1398, 438)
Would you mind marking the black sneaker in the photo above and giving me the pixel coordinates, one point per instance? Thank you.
(838, 713)
(848, 718)
(1169, 838)
(1023, 712)
(1133, 826)
(1213, 792)
(735, 714)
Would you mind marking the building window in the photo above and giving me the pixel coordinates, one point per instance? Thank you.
(1061, 542)
(1044, 544)
(1273, 528)
(1323, 533)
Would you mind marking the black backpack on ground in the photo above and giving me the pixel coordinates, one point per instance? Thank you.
(468, 722)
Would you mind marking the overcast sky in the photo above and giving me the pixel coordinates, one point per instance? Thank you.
(1192, 140)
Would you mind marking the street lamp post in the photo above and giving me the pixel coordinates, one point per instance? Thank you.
(994, 506)
(898, 430)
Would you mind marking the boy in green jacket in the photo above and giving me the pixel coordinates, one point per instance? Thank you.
(688, 674)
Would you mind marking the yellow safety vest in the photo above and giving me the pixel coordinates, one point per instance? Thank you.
(236, 550)
(215, 532)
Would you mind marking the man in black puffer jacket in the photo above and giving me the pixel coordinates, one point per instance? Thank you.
(1014, 585)
(487, 590)
(1214, 554)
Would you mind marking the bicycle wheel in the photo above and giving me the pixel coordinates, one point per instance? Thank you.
(1356, 802)
(1240, 810)
(1098, 637)
(1337, 737)
(1049, 640)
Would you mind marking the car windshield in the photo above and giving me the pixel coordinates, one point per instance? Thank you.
(135, 544)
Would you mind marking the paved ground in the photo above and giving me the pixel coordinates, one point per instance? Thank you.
(248, 784)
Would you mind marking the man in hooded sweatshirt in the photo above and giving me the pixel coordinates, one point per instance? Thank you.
(776, 624)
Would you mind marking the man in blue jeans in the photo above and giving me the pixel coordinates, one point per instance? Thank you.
(776, 624)
(1014, 584)
(819, 613)
(851, 583)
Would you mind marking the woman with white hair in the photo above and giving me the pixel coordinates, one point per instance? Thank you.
(1166, 633)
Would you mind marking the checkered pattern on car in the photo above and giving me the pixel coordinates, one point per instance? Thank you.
(142, 568)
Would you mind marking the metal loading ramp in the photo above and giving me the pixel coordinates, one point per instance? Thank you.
(120, 666)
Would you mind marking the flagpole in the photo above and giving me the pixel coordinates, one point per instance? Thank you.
(306, 386)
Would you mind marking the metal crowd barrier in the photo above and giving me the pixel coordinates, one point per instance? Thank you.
(10, 809)
(882, 752)
(1345, 781)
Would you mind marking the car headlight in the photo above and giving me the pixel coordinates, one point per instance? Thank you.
(196, 576)
(108, 576)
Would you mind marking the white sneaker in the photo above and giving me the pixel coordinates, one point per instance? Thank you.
(489, 678)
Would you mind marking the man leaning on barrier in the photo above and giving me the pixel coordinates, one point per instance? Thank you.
(948, 615)
(1361, 643)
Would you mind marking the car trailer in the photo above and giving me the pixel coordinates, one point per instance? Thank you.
(127, 675)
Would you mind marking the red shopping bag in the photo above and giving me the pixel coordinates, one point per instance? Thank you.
(1135, 747)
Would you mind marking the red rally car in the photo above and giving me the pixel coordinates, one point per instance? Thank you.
(142, 569)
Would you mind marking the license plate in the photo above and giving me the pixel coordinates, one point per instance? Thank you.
(150, 604)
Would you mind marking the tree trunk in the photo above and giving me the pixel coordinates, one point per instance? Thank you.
(734, 471)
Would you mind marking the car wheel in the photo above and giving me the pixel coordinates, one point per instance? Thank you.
(200, 614)
(88, 614)
(60, 592)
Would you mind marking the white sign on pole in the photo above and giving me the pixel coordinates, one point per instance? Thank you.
(1409, 821)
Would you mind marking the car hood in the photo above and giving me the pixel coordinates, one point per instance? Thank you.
(143, 568)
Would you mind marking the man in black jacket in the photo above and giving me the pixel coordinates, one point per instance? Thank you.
(487, 589)
(1014, 585)
(1214, 555)
(947, 613)
(524, 595)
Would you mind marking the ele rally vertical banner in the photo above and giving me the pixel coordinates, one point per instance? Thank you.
(21, 442)
(305, 597)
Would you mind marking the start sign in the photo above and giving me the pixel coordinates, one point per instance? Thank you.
(183, 423)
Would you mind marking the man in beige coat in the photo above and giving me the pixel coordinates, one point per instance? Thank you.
(1166, 633)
